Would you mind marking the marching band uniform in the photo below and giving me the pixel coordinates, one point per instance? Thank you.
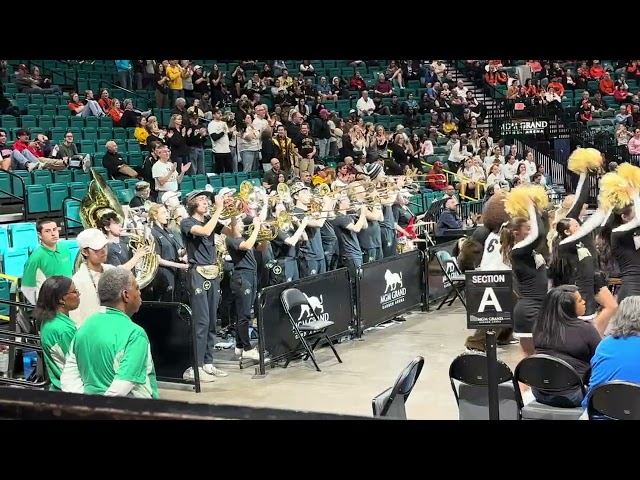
(311, 259)
(203, 278)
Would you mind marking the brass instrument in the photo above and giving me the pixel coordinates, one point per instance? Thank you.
(233, 206)
(100, 200)
(221, 252)
(269, 230)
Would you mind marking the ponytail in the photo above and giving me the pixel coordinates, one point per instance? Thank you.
(559, 267)
(507, 239)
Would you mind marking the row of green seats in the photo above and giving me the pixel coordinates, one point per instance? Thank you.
(61, 121)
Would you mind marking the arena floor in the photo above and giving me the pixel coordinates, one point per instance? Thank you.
(370, 366)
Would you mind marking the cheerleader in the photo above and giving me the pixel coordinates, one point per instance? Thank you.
(520, 238)
(573, 259)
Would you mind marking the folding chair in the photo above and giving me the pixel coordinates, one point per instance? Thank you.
(391, 402)
(616, 400)
(472, 396)
(454, 276)
(315, 330)
(552, 375)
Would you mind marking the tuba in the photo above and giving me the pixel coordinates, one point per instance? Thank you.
(101, 199)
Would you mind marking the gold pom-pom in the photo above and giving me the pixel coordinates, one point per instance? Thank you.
(631, 174)
(615, 191)
(518, 199)
(584, 159)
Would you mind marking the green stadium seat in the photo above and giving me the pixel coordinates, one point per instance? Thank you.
(81, 176)
(37, 200)
(124, 195)
(77, 122)
(215, 181)
(98, 157)
(60, 121)
(199, 182)
(134, 159)
(72, 245)
(8, 122)
(63, 176)
(72, 215)
(63, 110)
(57, 192)
(4, 239)
(22, 100)
(105, 133)
(88, 146)
(5, 185)
(28, 121)
(119, 133)
(228, 179)
(78, 189)
(122, 145)
(92, 122)
(89, 133)
(186, 185)
(116, 184)
(37, 98)
(16, 185)
(106, 121)
(33, 110)
(241, 177)
(130, 183)
(52, 99)
(133, 146)
(24, 234)
(42, 177)
(45, 122)
(14, 260)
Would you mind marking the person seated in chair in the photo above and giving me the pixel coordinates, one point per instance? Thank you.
(448, 219)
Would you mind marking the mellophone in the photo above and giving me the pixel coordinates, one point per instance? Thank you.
(101, 199)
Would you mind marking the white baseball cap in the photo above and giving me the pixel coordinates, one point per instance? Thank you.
(91, 238)
(166, 196)
(226, 191)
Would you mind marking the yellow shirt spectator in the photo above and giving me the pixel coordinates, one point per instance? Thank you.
(174, 72)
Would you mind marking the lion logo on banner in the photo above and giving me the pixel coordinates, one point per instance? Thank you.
(394, 280)
(316, 304)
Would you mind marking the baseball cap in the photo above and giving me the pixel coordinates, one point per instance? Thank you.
(168, 195)
(91, 238)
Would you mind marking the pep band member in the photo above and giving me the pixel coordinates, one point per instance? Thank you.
(311, 259)
(198, 230)
(244, 281)
(284, 246)
(171, 257)
(58, 296)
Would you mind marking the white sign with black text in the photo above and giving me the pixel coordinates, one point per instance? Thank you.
(490, 300)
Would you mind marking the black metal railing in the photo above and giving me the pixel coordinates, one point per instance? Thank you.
(12, 195)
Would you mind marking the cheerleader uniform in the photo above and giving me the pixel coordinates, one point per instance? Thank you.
(530, 273)
(582, 257)
(625, 243)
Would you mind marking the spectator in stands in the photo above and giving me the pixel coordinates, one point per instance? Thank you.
(27, 155)
(607, 86)
(523, 174)
(561, 333)
(168, 174)
(618, 355)
(33, 82)
(160, 83)
(130, 115)
(598, 103)
(620, 94)
(117, 168)
(585, 114)
(634, 143)
(448, 219)
(59, 296)
(67, 150)
(142, 196)
(623, 117)
(365, 105)
(105, 101)
(115, 112)
(175, 73)
(124, 70)
(596, 71)
(90, 108)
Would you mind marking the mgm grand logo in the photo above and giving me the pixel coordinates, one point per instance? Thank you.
(394, 291)
(316, 305)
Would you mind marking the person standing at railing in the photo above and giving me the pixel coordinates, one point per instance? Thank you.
(634, 143)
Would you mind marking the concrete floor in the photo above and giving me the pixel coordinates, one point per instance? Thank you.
(370, 366)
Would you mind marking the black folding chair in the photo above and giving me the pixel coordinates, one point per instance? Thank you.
(615, 400)
(551, 375)
(454, 276)
(316, 330)
(472, 395)
(391, 402)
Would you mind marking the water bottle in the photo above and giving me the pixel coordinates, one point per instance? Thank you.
(30, 360)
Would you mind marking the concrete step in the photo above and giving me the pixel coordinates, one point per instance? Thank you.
(6, 218)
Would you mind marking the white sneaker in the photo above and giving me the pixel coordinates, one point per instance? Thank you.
(31, 166)
(252, 354)
(189, 376)
(216, 372)
(238, 352)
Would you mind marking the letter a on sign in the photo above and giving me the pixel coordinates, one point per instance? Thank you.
(489, 299)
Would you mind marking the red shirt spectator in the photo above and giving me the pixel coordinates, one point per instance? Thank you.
(436, 178)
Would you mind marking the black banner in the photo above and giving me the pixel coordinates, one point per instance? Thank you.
(490, 301)
(437, 284)
(330, 296)
(168, 326)
(389, 287)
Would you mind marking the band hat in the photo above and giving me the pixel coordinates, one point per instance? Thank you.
(91, 238)
(298, 187)
(226, 191)
(197, 193)
(166, 196)
(373, 170)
